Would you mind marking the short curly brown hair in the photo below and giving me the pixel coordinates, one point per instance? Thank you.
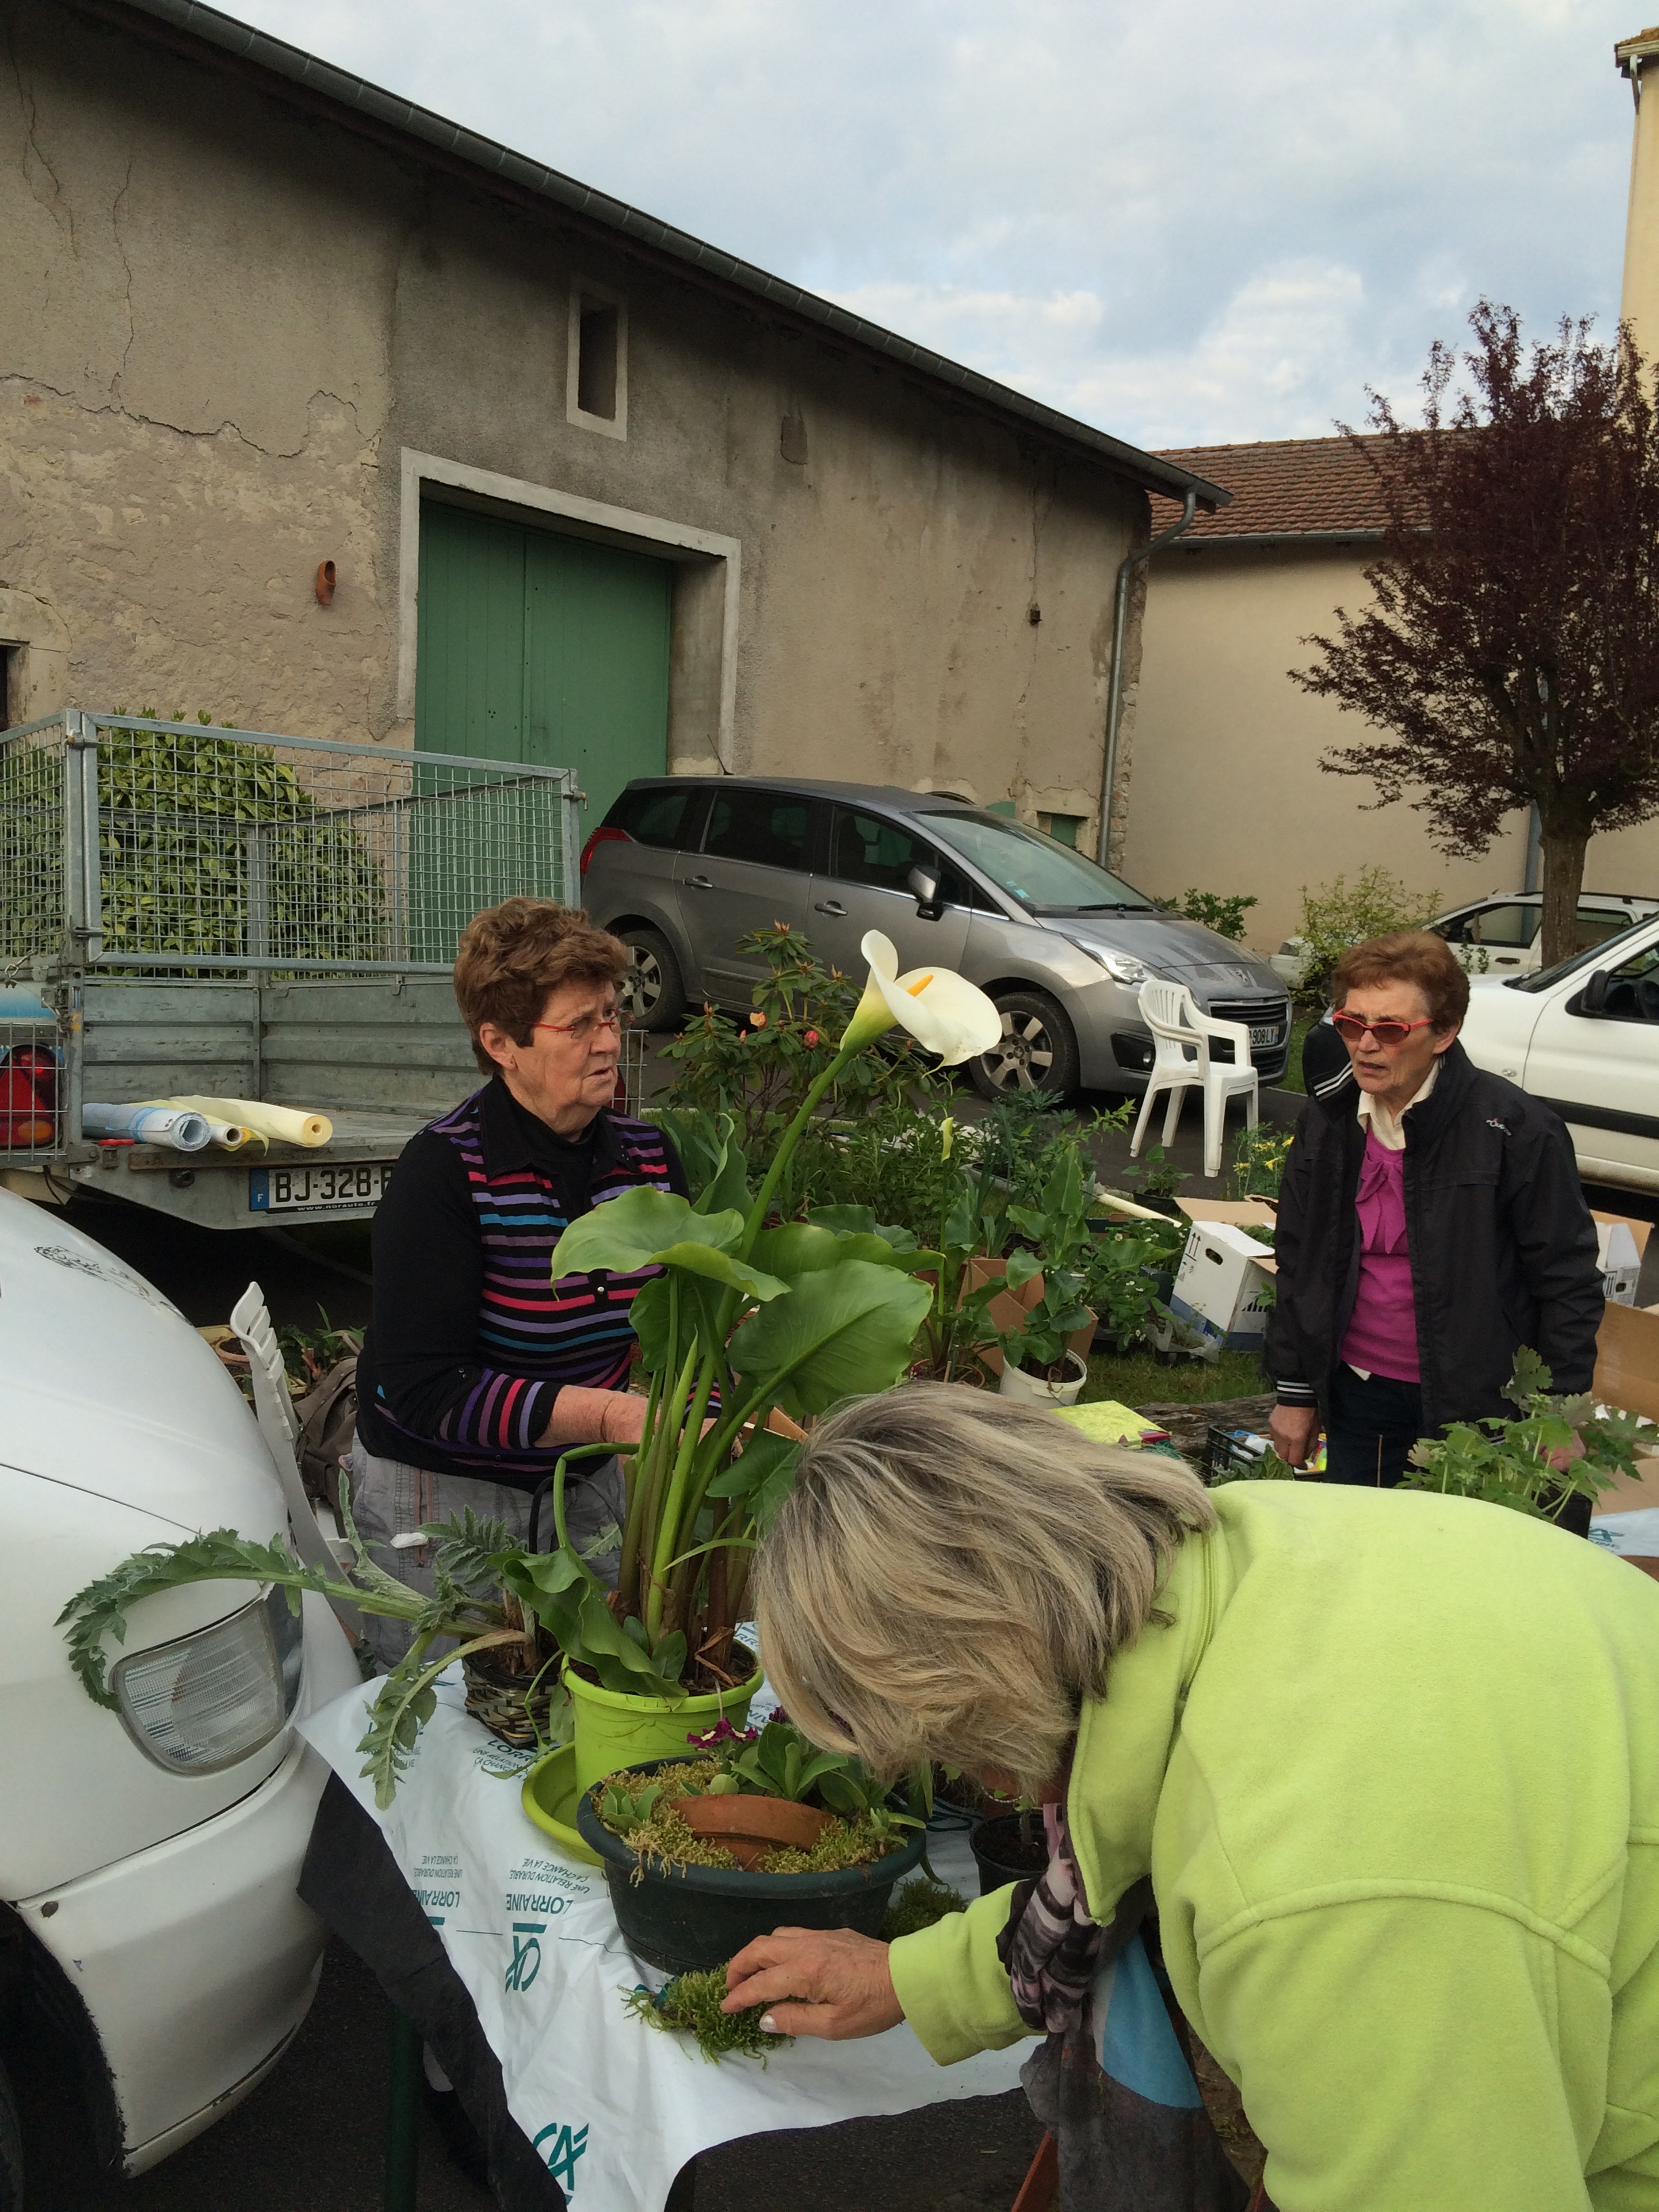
(514, 954)
(1407, 956)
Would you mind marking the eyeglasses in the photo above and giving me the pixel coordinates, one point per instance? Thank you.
(1354, 1026)
(583, 1030)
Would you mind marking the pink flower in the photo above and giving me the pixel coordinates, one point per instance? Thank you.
(811, 1037)
(758, 1020)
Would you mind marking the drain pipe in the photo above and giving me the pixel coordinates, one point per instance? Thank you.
(1120, 626)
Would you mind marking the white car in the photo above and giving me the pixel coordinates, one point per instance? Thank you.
(1500, 935)
(148, 1856)
(1584, 1037)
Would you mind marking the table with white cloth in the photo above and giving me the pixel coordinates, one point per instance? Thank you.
(612, 2108)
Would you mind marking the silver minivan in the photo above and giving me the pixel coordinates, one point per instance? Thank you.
(684, 867)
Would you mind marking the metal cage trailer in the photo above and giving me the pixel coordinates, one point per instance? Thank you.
(187, 909)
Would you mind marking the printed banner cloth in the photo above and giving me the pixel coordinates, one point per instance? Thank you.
(613, 2106)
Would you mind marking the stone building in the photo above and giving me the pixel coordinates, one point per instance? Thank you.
(593, 492)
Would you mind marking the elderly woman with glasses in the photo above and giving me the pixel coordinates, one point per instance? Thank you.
(1431, 1224)
(477, 1367)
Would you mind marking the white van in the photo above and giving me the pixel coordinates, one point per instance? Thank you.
(147, 1857)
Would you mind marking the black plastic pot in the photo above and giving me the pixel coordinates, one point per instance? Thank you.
(1001, 1855)
(684, 1918)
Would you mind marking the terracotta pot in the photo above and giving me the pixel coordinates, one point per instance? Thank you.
(750, 1828)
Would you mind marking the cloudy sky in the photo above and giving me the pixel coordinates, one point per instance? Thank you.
(1187, 221)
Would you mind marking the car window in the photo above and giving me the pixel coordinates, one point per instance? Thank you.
(1453, 928)
(1509, 926)
(865, 849)
(766, 827)
(1595, 924)
(665, 818)
(1046, 877)
(1633, 991)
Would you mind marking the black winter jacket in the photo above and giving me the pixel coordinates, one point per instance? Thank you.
(1503, 1247)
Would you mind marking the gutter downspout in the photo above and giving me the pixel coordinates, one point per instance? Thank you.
(1127, 567)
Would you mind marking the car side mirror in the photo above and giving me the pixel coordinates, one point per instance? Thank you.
(1593, 996)
(925, 883)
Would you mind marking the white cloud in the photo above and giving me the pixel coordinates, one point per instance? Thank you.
(1189, 222)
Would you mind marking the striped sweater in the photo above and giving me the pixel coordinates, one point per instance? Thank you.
(472, 1341)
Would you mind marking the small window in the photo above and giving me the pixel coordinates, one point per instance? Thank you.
(596, 386)
(1633, 993)
(11, 686)
(766, 826)
(1064, 828)
(668, 819)
(1595, 924)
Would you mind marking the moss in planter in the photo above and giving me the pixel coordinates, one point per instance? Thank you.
(666, 1837)
(917, 1905)
(691, 2004)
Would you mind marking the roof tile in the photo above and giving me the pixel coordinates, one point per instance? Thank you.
(1288, 484)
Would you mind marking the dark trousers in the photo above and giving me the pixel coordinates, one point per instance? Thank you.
(1371, 1427)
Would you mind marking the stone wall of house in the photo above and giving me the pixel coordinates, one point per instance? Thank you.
(224, 318)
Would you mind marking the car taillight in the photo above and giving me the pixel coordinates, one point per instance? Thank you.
(204, 1701)
(602, 835)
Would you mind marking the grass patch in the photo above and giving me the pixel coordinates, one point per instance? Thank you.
(1138, 1379)
(690, 2005)
(917, 1904)
(1302, 1020)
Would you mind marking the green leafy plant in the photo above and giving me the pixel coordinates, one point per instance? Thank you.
(1523, 1463)
(1224, 915)
(777, 1761)
(749, 1316)
(1118, 1275)
(624, 1810)
(1156, 1177)
(1259, 1160)
(467, 1604)
(1059, 1230)
(1339, 913)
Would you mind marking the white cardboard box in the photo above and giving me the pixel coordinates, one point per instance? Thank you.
(1223, 1287)
(1621, 1260)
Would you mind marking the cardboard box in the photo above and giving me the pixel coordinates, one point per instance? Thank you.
(1640, 1231)
(1004, 1309)
(1627, 1360)
(1223, 1285)
(1620, 1260)
(1243, 1213)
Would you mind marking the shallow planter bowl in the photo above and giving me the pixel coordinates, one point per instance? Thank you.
(549, 1795)
(686, 1918)
(1015, 1382)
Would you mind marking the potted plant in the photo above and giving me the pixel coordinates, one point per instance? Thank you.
(746, 1831)
(1039, 1360)
(746, 1316)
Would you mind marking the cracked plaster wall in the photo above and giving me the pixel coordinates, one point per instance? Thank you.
(222, 317)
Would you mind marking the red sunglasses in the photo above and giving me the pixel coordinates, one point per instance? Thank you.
(1354, 1026)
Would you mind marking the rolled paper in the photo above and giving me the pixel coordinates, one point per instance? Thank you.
(278, 1125)
(147, 1125)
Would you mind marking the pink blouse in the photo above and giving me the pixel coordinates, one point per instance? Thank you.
(1381, 1338)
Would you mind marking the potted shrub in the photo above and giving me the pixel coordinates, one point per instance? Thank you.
(1044, 1337)
(745, 1832)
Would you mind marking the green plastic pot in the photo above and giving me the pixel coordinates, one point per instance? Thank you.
(685, 1919)
(618, 1728)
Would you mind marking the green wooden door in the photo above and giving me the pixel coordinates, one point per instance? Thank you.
(534, 647)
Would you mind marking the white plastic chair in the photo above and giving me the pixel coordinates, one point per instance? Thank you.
(250, 1318)
(1182, 1036)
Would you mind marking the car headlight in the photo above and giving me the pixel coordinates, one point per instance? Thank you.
(206, 1700)
(1118, 965)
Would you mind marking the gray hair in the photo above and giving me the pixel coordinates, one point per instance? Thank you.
(952, 1573)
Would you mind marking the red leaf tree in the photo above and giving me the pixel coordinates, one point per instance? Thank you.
(1512, 652)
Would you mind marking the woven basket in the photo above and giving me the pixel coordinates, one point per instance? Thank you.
(497, 1697)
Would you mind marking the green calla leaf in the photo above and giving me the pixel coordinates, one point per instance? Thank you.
(802, 1248)
(841, 1331)
(760, 1458)
(860, 1221)
(645, 1229)
(1022, 1266)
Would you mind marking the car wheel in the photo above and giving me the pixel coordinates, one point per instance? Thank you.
(11, 2150)
(652, 992)
(1038, 1050)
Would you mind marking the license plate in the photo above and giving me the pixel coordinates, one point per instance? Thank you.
(335, 1188)
(1264, 1034)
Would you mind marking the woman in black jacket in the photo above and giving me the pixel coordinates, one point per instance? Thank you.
(1430, 1222)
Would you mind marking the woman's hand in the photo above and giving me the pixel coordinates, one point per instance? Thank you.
(1293, 1430)
(815, 1981)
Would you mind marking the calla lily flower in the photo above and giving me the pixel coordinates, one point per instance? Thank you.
(945, 1013)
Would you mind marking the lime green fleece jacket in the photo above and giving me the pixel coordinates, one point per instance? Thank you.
(1394, 1768)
